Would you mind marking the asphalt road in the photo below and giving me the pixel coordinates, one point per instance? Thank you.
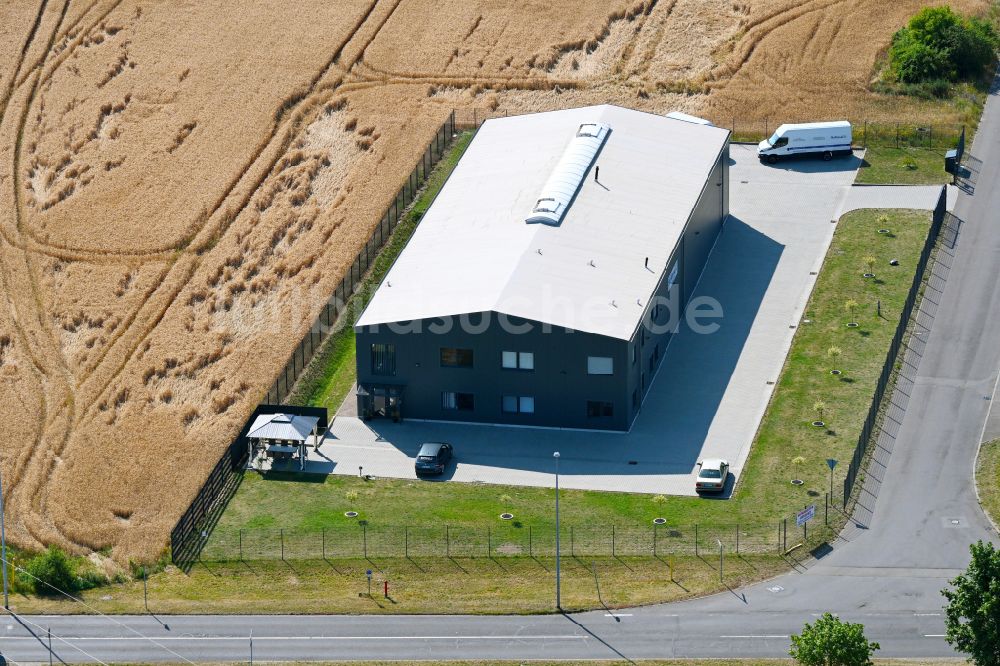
(916, 519)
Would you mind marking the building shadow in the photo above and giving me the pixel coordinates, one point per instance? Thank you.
(815, 163)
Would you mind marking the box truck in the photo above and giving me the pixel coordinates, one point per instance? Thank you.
(826, 139)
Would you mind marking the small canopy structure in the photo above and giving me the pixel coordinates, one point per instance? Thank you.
(283, 434)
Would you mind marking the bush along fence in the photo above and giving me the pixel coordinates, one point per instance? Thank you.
(325, 322)
(193, 529)
(872, 428)
(361, 539)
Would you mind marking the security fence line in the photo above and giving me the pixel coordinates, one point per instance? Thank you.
(510, 539)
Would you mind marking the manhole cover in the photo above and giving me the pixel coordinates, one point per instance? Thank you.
(659, 521)
(351, 514)
(506, 516)
(797, 482)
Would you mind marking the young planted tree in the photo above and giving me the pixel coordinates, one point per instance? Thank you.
(834, 353)
(972, 616)
(831, 641)
(870, 263)
(819, 407)
(851, 306)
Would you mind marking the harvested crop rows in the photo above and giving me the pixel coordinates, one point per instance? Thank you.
(181, 188)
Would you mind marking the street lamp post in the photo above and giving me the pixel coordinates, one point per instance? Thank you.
(558, 599)
(3, 549)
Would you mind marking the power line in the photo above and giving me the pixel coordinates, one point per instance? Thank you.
(97, 612)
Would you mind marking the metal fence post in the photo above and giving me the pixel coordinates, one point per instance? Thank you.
(784, 529)
(737, 538)
(654, 538)
(572, 549)
(529, 541)
(282, 545)
(364, 535)
(324, 543)
(447, 541)
(612, 539)
(489, 542)
(696, 539)
(241, 545)
(406, 541)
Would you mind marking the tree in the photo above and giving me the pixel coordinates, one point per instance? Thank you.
(834, 353)
(870, 262)
(914, 61)
(832, 642)
(972, 616)
(820, 407)
(972, 46)
(52, 572)
(851, 305)
(934, 26)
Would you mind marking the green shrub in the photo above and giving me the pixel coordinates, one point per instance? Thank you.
(52, 573)
(914, 61)
(940, 46)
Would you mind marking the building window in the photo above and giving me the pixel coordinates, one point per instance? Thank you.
(384, 360)
(518, 360)
(635, 354)
(672, 276)
(462, 402)
(600, 409)
(600, 365)
(456, 358)
(654, 359)
(513, 404)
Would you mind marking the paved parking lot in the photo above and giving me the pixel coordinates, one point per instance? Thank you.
(711, 390)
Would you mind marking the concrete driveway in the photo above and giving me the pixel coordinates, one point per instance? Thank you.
(711, 390)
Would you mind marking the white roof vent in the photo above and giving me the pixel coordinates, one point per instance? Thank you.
(568, 174)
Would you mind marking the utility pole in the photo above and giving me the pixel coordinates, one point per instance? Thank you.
(558, 599)
(3, 549)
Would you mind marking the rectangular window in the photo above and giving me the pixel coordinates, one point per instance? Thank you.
(518, 360)
(600, 409)
(513, 404)
(654, 359)
(384, 360)
(635, 353)
(463, 402)
(456, 358)
(672, 276)
(600, 365)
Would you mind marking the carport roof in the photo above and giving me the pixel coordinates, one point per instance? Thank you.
(473, 251)
(292, 427)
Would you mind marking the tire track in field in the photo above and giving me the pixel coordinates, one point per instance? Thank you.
(289, 117)
(29, 489)
(759, 30)
(11, 85)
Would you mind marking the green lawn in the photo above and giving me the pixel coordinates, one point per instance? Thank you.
(903, 166)
(331, 373)
(787, 445)
(988, 478)
(510, 585)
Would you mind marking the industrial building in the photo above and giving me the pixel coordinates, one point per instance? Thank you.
(543, 285)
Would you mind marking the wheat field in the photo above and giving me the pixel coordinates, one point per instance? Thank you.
(183, 184)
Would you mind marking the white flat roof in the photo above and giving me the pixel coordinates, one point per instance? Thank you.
(473, 252)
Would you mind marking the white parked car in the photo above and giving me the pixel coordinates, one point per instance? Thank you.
(712, 473)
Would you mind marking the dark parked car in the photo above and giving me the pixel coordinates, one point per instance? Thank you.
(433, 457)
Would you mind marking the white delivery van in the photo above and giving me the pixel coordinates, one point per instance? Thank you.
(826, 139)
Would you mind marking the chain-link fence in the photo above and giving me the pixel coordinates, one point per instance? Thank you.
(510, 539)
